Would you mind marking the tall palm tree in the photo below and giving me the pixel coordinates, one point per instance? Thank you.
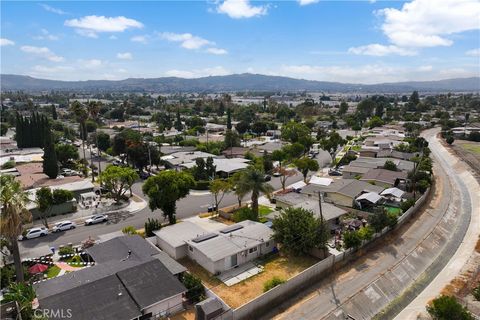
(253, 180)
(81, 115)
(93, 109)
(13, 201)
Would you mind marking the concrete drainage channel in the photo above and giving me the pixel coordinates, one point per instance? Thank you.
(397, 305)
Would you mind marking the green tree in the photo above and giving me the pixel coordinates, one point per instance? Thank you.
(342, 109)
(374, 122)
(272, 283)
(448, 308)
(23, 294)
(295, 132)
(242, 127)
(65, 153)
(229, 119)
(238, 187)
(103, 141)
(164, 189)
(50, 164)
(390, 165)
(299, 231)
(13, 201)
(195, 288)
(118, 180)
(219, 188)
(152, 225)
(306, 164)
(178, 121)
(331, 143)
(253, 180)
(81, 115)
(54, 112)
(414, 98)
(44, 200)
(129, 230)
(352, 239)
(231, 139)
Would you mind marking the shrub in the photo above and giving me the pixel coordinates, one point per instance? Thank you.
(243, 214)
(405, 205)
(201, 185)
(130, 230)
(476, 292)
(272, 283)
(66, 251)
(366, 233)
(450, 139)
(195, 288)
(352, 239)
(9, 164)
(447, 308)
(152, 225)
(61, 196)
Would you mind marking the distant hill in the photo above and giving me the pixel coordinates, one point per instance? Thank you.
(234, 82)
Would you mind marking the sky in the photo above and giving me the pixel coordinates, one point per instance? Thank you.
(341, 41)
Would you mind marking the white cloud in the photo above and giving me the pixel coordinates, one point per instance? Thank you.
(197, 73)
(89, 26)
(371, 73)
(45, 35)
(124, 56)
(217, 51)
(113, 37)
(381, 50)
(307, 2)
(52, 9)
(55, 69)
(90, 64)
(142, 39)
(425, 23)
(187, 40)
(42, 52)
(238, 9)
(473, 52)
(6, 42)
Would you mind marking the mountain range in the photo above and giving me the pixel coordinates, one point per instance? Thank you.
(231, 83)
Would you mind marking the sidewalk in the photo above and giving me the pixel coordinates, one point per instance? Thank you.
(136, 204)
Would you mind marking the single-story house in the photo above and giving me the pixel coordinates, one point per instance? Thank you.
(376, 163)
(231, 246)
(178, 159)
(383, 177)
(330, 213)
(368, 199)
(393, 194)
(352, 172)
(235, 152)
(214, 127)
(341, 192)
(225, 167)
(172, 239)
(126, 282)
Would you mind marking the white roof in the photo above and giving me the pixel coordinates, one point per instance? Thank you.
(177, 234)
(321, 181)
(297, 185)
(224, 165)
(393, 191)
(373, 197)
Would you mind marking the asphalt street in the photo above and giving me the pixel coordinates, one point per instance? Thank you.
(187, 207)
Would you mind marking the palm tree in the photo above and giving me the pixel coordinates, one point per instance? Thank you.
(238, 187)
(13, 201)
(81, 116)
(253, 180)
(93, 109)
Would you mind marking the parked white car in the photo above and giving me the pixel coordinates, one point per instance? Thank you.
(69, 172)
(64, 226)
(98, 218)
(34, 233)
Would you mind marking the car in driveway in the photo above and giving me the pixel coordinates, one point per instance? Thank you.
(33, 233)
(267, 177)
(69, 172)
(98, 218)
(334, 173)
(64, 226)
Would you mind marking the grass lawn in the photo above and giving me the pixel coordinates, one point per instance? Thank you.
(472, 147)
(395, 210)
(264, 211)
(52, 272)
(277, 265)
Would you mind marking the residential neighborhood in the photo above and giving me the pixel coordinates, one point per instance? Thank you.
(220, 160)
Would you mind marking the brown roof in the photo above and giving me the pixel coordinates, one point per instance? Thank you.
(31, 176)
(383, 175)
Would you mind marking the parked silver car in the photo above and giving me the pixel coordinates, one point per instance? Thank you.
(64, 226)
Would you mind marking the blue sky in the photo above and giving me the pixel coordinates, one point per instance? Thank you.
(344, 41)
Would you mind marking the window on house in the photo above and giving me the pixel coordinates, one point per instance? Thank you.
(252, 250)
(267, 244)
(190, 248)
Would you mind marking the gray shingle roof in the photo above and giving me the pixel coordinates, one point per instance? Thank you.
(150, 283)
